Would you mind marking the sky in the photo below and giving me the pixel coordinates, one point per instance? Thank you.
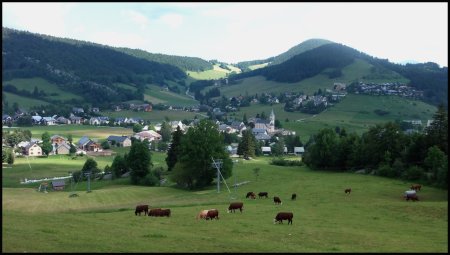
(241, 31)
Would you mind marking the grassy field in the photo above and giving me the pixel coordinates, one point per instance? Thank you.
(216, 73)
(42, 84)
(155, 95)
(253, 67)
(373, 218)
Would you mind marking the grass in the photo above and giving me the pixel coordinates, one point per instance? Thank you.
(24, 102)
(253, 67)
(156, 95)
(373, 218)
(28, 84)
(216, 73)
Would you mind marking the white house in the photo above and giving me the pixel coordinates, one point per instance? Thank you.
(266, 150)
(299, 150)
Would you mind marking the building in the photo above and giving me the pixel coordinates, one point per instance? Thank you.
(58, 185)
(32, 149)
(119, 141)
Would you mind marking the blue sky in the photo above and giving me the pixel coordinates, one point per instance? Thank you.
(233, 32)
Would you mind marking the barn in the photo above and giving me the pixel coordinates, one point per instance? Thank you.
(58, 185)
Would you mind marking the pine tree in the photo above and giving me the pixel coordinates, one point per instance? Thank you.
(174, 151)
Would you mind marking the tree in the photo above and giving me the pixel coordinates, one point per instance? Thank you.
(137, 128)
(434, 161)
(166, 132)
(46, 144)
(105, 145)
(72, 149)
(10, 160)
(119, 166)
(322, 153)
(278, 147)
(437, 132)
(139, 161)
(174, 151)
(69, 138)
(198, 147)
(246, 147)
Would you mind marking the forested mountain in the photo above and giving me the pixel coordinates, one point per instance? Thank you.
(185, 63)
(332, 57)
(298, 49)
(82, 68)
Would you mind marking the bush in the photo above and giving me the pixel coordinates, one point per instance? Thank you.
(150, 180)
(283, 162)
(414, 173)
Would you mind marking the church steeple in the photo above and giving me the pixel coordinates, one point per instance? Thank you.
(272, 121)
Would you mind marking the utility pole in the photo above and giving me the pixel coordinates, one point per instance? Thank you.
(217, 164)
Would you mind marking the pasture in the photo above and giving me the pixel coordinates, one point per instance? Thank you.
(156, 95)
(373, 218)
(216, 73)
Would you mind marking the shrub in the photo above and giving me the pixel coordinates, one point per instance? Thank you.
(414, 173)
(283, 162)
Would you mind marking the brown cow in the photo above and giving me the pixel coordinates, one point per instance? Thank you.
(235, 205)
(277, 200)
(154, 212)
(263, 194)
(416, 187)
(251, 195)
(141, 208)
(348, 190)
(212, 213)
(202, 214)
(294, 196)
(283, 216)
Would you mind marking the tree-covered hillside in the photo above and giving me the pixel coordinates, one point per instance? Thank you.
(85, 69)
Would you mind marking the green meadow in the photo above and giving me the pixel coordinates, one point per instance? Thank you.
(216, 73)
(22, 101)
(52, 90)
(156, 95)
(373, 218)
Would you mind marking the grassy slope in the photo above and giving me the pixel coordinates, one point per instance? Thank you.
(373, 218)
(42, 84)
(216, 73)
(24, 102)
(253, 67)
(155, 95)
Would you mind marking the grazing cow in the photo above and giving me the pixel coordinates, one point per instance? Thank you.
(235, 205)
(251, 195)
(294, 196)
(277, 200)
(141, 208)
(202, 214)
(212, 213)
(263, 194)
(416, 187)
(283, 216)
(154, 212)
(411, 194)
(349, 190)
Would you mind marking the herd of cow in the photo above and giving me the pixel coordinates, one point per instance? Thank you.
(214, 213)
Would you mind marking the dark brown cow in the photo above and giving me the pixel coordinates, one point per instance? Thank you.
(283, 216)
(212, 214)
(141, 208)
(251, 195)
(349, 190)
(294, 196)
(277, 200)
(413, 197)
(416, 187)
(263, 194)
(235, 205)
(158, 212)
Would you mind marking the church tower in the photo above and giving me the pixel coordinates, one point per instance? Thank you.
(272, 122)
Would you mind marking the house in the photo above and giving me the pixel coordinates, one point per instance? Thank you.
(36, 119)
(93, 146)
(32, 149)
(60, 149)
(49, 121)
(57, 139)
(266, 150)
(58, 184)
(77, 110)
(262, 137)
(150, 135)
(6, 119)
(175, 124)
(62, 120)
(299, 150)
(76, 120)
(95, 109)
(120, 120)
(119, 141)
(83, 142)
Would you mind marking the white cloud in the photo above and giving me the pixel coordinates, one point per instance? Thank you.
(173, 20)
(137, 18)
(45, 18)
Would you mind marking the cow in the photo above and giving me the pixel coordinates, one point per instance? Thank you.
(251, 195)
(277, 200)
(202, 214)
(294, 196)
(263, 194)
(416, 187)
(212, 214)
(154, 212)
(349, 190)
(235, 205)
(411, 194)
(283, 216)
(141, 208)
